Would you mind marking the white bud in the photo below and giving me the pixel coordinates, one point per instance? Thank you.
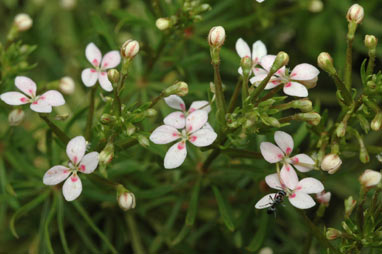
(324, 197)
(15, 117)
(216, 36)
(266, 250)
(316, 6)
(23, 22)
(67, 85)
(163, 23)
(68, 4)
(355, 13)
(126, 200)
(130, 49)
(370, 178)
(331, 163)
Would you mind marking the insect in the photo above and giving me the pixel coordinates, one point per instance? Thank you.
(270, 201)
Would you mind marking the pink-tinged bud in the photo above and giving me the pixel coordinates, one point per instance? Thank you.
(15, 117)
(325, 62)
(130, 49)
(107, 118)
(370, 178)
(107, 154)
(216, 36)
(180, 88)
(355, 13)
(349, 206)
(332, 233)
(23, 22)
(331, 163)
(163, 23)
(125, 198)
(370, 41)
(67, 85)
(324, 198)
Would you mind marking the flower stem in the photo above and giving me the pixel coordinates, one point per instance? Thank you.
(349, 57)
(156, 100)
(370, 64)
(59, 133)
(89, 121)
(244, 89)
(220, 101)
(342, 88)
(135, 235)
(262, 85)
(235, 95)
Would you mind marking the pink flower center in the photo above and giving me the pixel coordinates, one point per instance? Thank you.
(182, 106)
(193, 138)
(74, 179)
(95, 62)
(293, 195)
(181, 145)
(82, 168)
(288, 85)
(288, 150)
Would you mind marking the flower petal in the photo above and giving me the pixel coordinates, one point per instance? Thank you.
(53, 98)
(288, 176)
(240, 71)
(14, 98)
(26, 85)
(198, 105)
(304, 71)
(76, 149)
(284, 141)
(164, 134)
(203, 137)
(111, 60)
(196, 120)
(265, 201)
(303, 162)
(41, 106)
(242, 48)
(301, 200)
(273, 181)
(267, 61)
(274, 82)
(258, 51)
(89, 77)
(259, 71)
(175, 102)
(93, 54)
(309, 185)
(72, 188)
(295, 89)
(55, 175)
(270, 152)
(89, 163)
(176, 155)
(104, 82)
(175, 119)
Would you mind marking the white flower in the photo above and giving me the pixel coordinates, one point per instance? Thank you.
(99, 72)
(79, 162)
(258, 51)
(297, 191)
(197, 131)
(39, 103)
(324, 197)
(177, 119)
(302, 73)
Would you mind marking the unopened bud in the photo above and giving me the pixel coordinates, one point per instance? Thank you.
(281, 60)
(376, 122)
(61, 117)
(363, 154)
(23, 22)
(304, 105)
(266, 250)
(331, 163)
(272, 121)
(113, 75)
(107, 118)
(150, 112)
(125, 198)
(143, 140)
(355, 13)
(371, 41)
(311, 117)
(107, 154)
(370, 178)
(67, 85)
(180, 88)
(130, 49)
(325, 62)
(349, 206)
(316, 6)
(324, 197)
(163, 23)
(216, 36)
(203, 8)
(246, 65)
(332, 233)
(341, 129)
(15, 117)
(130, 129)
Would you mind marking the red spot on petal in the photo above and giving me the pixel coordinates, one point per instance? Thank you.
(288, 150)
(103, 73)
(35, 102)
(66, 171)
(293, 75)
(74, 179)
(95, 62)
(175, 134)
(287, 168)
(92, 70)
(293, 195)
(181, 145)
(298, 188)
(288, 85)
(193, 138)
(30, 91)
(296, 160)
(23, 99)
(280, 156)
(275, 82)
(189, 128)
(182, 116)
(75, 159)
(182, 106)
(105, 65)
(191, 110)
(82, 167)
(42, 98)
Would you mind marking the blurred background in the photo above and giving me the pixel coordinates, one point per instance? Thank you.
(62, 29)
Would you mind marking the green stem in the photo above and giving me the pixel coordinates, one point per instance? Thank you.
(135, 235)
(244, 90)
(47, 222)
(157, 99)
(262, 85)
(215, 153)
(89, 122)
(117, 101)
(59, 133)
(104, 181)
(371, 62)
(352, 27)
(220, 101)
(235, 95)
(342, 88)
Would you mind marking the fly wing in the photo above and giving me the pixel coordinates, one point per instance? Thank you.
(266, 201)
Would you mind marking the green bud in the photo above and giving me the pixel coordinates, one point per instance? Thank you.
(376, 122)
(61, 117)
(180, 88)
(246, 65)
(325, 62)
(272, 121)
(113, 75)
(350, 204)
(281, 60)
(331, 163)
(107, 154)
(130, 129)
(143, 140)
(305, 105)
(311, 117)
(163, 23)
(363, 122)
(363, 154)
(341, 129)
(150, 112)
(332, 233)
(346, 227)
(370, 42)
(107, 118)
(203, 8)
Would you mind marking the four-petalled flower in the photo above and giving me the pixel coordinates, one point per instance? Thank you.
(79, 162)
(258, 51)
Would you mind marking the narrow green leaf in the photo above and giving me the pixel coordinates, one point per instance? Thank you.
(258, 240)
(192, 209)
(60, 223)
(182, 234)
(363, 72)
(49, 218)
(224, 209)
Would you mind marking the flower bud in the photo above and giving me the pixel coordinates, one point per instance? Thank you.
(180, 88)
(349, 206)
(305, 105)
(376, 122)
(107, 118)
(332, 233)
(130, 49)
(107, 154)
(325, 62)
(370, 41)
(355, 13)
(113, 75)
(163, 23)
(15, 117)
(316, 6)
(216, 36)
(246, 65)
(281, 60)
(61, 117)
(266, 250)
(125, 198)
(324, 198)
(363, 154)
(143, 140)
(312, 117)
(130, 129)
(150, 112)
(370, 178)
(331, 163)
(23, 22)
(67, 85)
(341, 129)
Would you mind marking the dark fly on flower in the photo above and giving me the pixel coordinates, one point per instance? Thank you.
(271, 201)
